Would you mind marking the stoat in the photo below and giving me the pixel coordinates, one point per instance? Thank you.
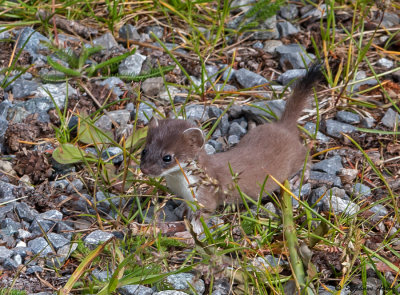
(175, 150)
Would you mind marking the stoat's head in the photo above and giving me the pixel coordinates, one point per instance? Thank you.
(167, 141)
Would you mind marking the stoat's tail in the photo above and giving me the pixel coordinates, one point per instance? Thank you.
(298, 100)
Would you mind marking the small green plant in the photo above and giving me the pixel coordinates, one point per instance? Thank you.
(77, 67)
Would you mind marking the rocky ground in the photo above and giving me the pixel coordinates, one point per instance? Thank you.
(50, 210)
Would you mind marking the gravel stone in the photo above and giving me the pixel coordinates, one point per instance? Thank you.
(391, 118)
(291, 75)
(5, 253)
(171, 92)
(74, 186)
(385, 63)
(338, 205)
(129, 32)
(135, 290)
(289, 12)
(361, 190)
(25, 212)
(258, 45)
(10, 264)
(145, 112)
(196, 112)
(97, 237)
(9, 227)
(266, 30)
(24, 234)
(33, 269)
(285, 28)
(267, 263)
(132, 65)
(34, 45)
(233, 139)
(390, 19)
(335, 128)
(102, 276)
(311, 127)
(332, 165)
(228, 74)
(181, 282)
(324, 178)
(170, 292)
(57, 240)
(40, 245)
(348, 117)
(152, 86)
(115, 153)
(379, 211)
(156, 30)
(270, 46)
(209, 149)
(114, 83)
(248, 79)
(216, 145)
(236, 129)
(58, 93)
(107, 41)
(367, 122)
(7, 191)
(296, 59)
(255, 111)
(315, 13)
(211, 72)
(221, 287)
(359, 76)
(22, 88)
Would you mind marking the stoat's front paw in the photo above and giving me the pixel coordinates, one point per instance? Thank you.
(196, 223)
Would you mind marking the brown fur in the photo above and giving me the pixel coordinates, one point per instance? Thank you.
(271, 149)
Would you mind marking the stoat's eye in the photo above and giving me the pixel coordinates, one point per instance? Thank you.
(167, 158)
(144, 152)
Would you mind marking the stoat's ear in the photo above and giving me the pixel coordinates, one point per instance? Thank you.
(153, 122)
(194, 137)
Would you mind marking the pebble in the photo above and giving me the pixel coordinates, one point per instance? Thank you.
(183, 281)
(152, 86)
(170, 94)
(106, 41)
(324, 178)
(25, 212)
(258, 45)
(22, 88)
(348, 117)
(293, 56)
(391, 118)
(291, 75)
(270, 46)
(233, 139)
(145, 112)
(315, 13)
(97, 237)
(156, 30)
(258, 110)
(335, 128)
(196, 112)
(338, 205)
(361, 190)
(289, 12)
(285, 29)
(390, 19)
(115, 153)
(228, 74)
(237, 129)
(348, 175)
(331, 166)
(379, 212)
(114, 83)
(34, 45)
(311, 127)
(265, 30)
(129, 32)
(170, 292)
(40, 246)
(57, 91)
(132, 65)
(209, 149)
(9, 227)
(216, 145)
(367, 122)
(385, 63)
(135, 290)
(248, 79)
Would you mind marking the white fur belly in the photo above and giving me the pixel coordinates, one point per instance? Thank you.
(178, 184)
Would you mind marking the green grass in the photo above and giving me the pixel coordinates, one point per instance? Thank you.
(145, 256)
